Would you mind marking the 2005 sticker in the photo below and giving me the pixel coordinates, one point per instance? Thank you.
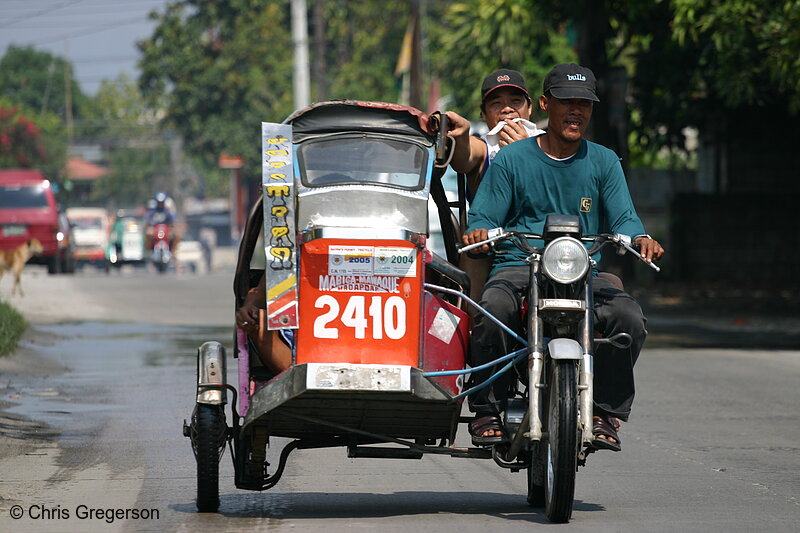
(352, 260)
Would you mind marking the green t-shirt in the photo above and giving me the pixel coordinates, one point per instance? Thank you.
(523, 185)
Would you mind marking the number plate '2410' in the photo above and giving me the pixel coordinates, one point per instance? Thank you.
(360, 302)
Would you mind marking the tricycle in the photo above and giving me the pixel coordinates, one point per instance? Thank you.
(378, 323)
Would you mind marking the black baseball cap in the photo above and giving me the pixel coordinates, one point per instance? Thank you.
(569, 80)
(503, 78)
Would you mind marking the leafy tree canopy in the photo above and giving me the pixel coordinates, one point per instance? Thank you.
(35, 79)
(480, 36)
(747, 51)
(225, 67)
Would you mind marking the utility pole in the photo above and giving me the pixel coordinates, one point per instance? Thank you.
(320, 70)
(68, 94)
(415, 94)
(300, 41)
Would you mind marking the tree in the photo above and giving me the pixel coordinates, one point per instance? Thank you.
(222, 68)
(690, 62)
(480, 36)
(35, 79)
(746, 50)
(28, 140)
(361, 55)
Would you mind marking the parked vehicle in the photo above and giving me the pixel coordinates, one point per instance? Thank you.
(379, 324)
(126, 240)
(90, 231)
(189, 256)
(28, 210)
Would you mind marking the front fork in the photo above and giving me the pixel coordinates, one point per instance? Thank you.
(536, 365)
(536, 358)
(586, 376)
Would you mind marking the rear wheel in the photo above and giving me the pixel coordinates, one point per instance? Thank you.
(208, 439)
(561, 446)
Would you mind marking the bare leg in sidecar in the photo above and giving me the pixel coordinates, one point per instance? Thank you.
(273, 350)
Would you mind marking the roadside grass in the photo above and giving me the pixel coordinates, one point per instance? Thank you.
(12, 324)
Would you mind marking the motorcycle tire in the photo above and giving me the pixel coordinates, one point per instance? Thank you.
(561, 447)
(208, 440)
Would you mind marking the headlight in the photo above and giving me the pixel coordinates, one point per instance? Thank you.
(565, 260)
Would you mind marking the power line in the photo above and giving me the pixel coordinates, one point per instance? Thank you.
(105, 27)
(38, 13)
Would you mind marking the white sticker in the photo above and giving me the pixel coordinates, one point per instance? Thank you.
(393, 261)
(444, 325)
(352, 260)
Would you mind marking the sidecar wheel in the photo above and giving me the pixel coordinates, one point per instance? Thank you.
(561, 447)
(535, 490)
(208, 438)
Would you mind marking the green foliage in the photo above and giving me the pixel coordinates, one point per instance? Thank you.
(138, 158)
(31, 141)
(362, 55)
(35, 80)
(480, 36)
(133, 176)
(12, 325)
(222, 68)
(746, 50)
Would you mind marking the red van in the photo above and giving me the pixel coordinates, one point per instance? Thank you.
(28, 210)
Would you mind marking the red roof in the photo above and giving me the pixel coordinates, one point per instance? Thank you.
(80, 169)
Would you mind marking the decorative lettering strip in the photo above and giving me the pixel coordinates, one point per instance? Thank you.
(279, 225)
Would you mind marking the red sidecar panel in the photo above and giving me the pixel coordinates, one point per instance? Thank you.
(360, 302)
(446, 330)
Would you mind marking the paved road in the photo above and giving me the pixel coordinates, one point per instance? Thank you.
(96, 396)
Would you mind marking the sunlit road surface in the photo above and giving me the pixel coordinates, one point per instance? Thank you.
(712, 444)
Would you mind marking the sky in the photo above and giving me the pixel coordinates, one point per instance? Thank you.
(97, 36)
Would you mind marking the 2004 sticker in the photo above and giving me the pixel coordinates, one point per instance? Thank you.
(395, 261)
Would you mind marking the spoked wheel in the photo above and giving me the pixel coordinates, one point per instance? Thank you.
(209, 434)
(561, 446)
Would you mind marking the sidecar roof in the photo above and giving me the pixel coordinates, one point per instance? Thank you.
(340, 116)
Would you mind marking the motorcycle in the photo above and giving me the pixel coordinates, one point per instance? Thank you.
(379, 321)
(161, 253)
(550, 421)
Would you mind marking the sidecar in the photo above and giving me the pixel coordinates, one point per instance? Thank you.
(376, 319)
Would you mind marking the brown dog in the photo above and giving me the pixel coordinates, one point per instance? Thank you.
(14, 260)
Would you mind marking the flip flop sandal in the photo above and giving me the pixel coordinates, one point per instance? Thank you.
(480, 425)
(602, 427)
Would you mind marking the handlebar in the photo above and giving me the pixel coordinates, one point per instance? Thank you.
(618, 240)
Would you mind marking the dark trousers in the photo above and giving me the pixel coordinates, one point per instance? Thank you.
(615, 311)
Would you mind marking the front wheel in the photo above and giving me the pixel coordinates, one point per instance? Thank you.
(209, 434)
(561, 446)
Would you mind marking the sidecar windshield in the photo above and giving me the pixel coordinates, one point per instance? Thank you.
(362, 159)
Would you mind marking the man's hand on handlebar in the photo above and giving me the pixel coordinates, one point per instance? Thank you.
(477, 235)
(649, 248)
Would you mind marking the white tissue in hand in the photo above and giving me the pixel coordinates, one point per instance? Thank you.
(527, 124)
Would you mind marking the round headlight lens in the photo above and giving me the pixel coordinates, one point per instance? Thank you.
(565, 260)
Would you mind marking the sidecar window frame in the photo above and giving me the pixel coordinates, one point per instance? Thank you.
(341, 167)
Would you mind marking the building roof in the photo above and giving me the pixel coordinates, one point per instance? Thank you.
(80, 169)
